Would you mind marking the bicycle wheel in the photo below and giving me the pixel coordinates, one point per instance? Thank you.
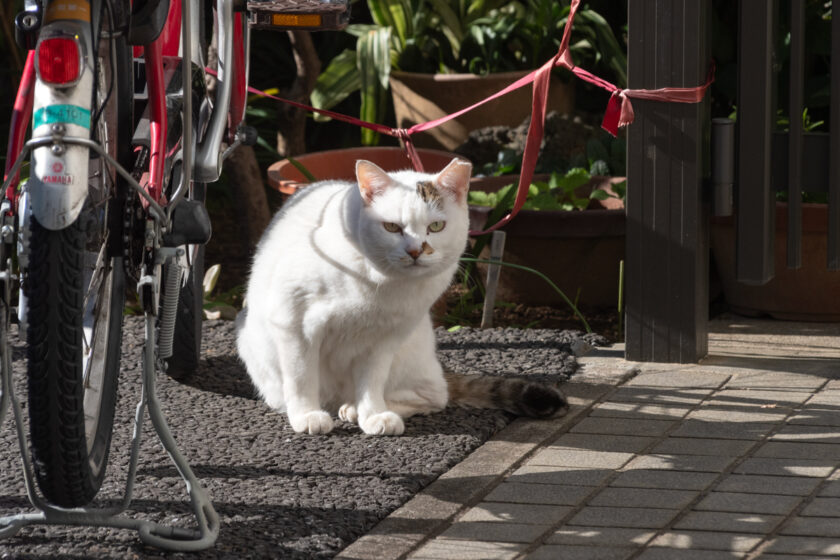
(75, 288)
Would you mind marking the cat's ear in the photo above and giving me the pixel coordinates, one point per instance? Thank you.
(372, 180)
(455, 179)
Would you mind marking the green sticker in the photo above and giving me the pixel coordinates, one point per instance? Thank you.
(67, 114)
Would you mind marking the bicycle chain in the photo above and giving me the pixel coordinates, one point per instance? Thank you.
(134, 224)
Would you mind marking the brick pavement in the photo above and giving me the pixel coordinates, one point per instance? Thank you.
(736, 457)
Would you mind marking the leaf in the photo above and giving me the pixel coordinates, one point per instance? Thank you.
(599, 194)
(573, 179)
(211, 276)
(543, 201)
(374, 64)
(599, 167)
(450, 22)
(336, 82)
(481, 198)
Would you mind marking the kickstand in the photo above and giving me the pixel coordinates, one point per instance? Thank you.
(154, 534)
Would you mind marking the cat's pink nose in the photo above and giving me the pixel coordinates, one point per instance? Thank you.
(415, 253)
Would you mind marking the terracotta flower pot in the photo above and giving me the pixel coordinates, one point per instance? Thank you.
(579, 250)
(809, 293)
(425, 97)
(341, 164)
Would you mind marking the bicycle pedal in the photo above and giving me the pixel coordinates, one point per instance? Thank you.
(306, 15)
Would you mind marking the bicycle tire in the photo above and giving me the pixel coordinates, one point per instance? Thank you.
(186, 342)
(75, 287)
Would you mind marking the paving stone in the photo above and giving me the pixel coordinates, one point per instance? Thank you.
(831, 489)
(643, 497)
(791, 449)
(494, 532)
(447, 549)
(703, 446)
(767, 556)
(748, 503)
(673, 480)
(618, 444)
(554, 456)
(535, 474)
(699, 463)
(668, 554)
(758, 379)
(572, 552)
(645, 518)
(601, 536)
(660, 396)
(699, 428)
(762, 484)
(701, 540)
(529, 514)
(810, 434)
(822, 507)
(523, 493)
(812, 526)
(805, 545)
(623, 426)
(817, 415)
(832, 388)
(786, 467)
(694, 377)
(640, 411)
(758, 397)
(743, 414)
(728, 522)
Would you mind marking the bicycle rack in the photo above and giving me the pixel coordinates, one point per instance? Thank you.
(154, 534)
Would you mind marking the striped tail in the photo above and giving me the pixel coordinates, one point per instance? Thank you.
(524, 398)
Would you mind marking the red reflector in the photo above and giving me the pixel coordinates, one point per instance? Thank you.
(58, 60)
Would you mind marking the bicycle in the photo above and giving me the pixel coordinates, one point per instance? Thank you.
(119, 164)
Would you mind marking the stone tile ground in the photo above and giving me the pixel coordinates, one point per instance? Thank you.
(736, 457)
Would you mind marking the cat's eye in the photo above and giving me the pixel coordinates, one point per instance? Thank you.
(391, 227)
(435, 227)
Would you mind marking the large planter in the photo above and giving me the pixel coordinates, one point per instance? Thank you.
(341, 164)
(579, 250)
(809, 293)
(421, 98)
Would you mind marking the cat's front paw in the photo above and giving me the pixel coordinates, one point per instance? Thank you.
(383, 424)
(348, 413)
(314, 422)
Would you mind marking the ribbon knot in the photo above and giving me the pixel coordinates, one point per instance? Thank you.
(404, 136)
(619, 112)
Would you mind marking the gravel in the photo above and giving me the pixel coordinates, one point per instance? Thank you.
(278, 494)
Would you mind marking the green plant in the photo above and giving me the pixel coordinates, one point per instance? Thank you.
(560, 192)
(478, 36)
(604, 155)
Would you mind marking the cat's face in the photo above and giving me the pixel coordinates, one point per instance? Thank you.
(413, 223)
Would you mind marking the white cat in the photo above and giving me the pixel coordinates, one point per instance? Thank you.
(338, 304)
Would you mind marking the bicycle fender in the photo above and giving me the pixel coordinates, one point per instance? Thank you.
(58, 182)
